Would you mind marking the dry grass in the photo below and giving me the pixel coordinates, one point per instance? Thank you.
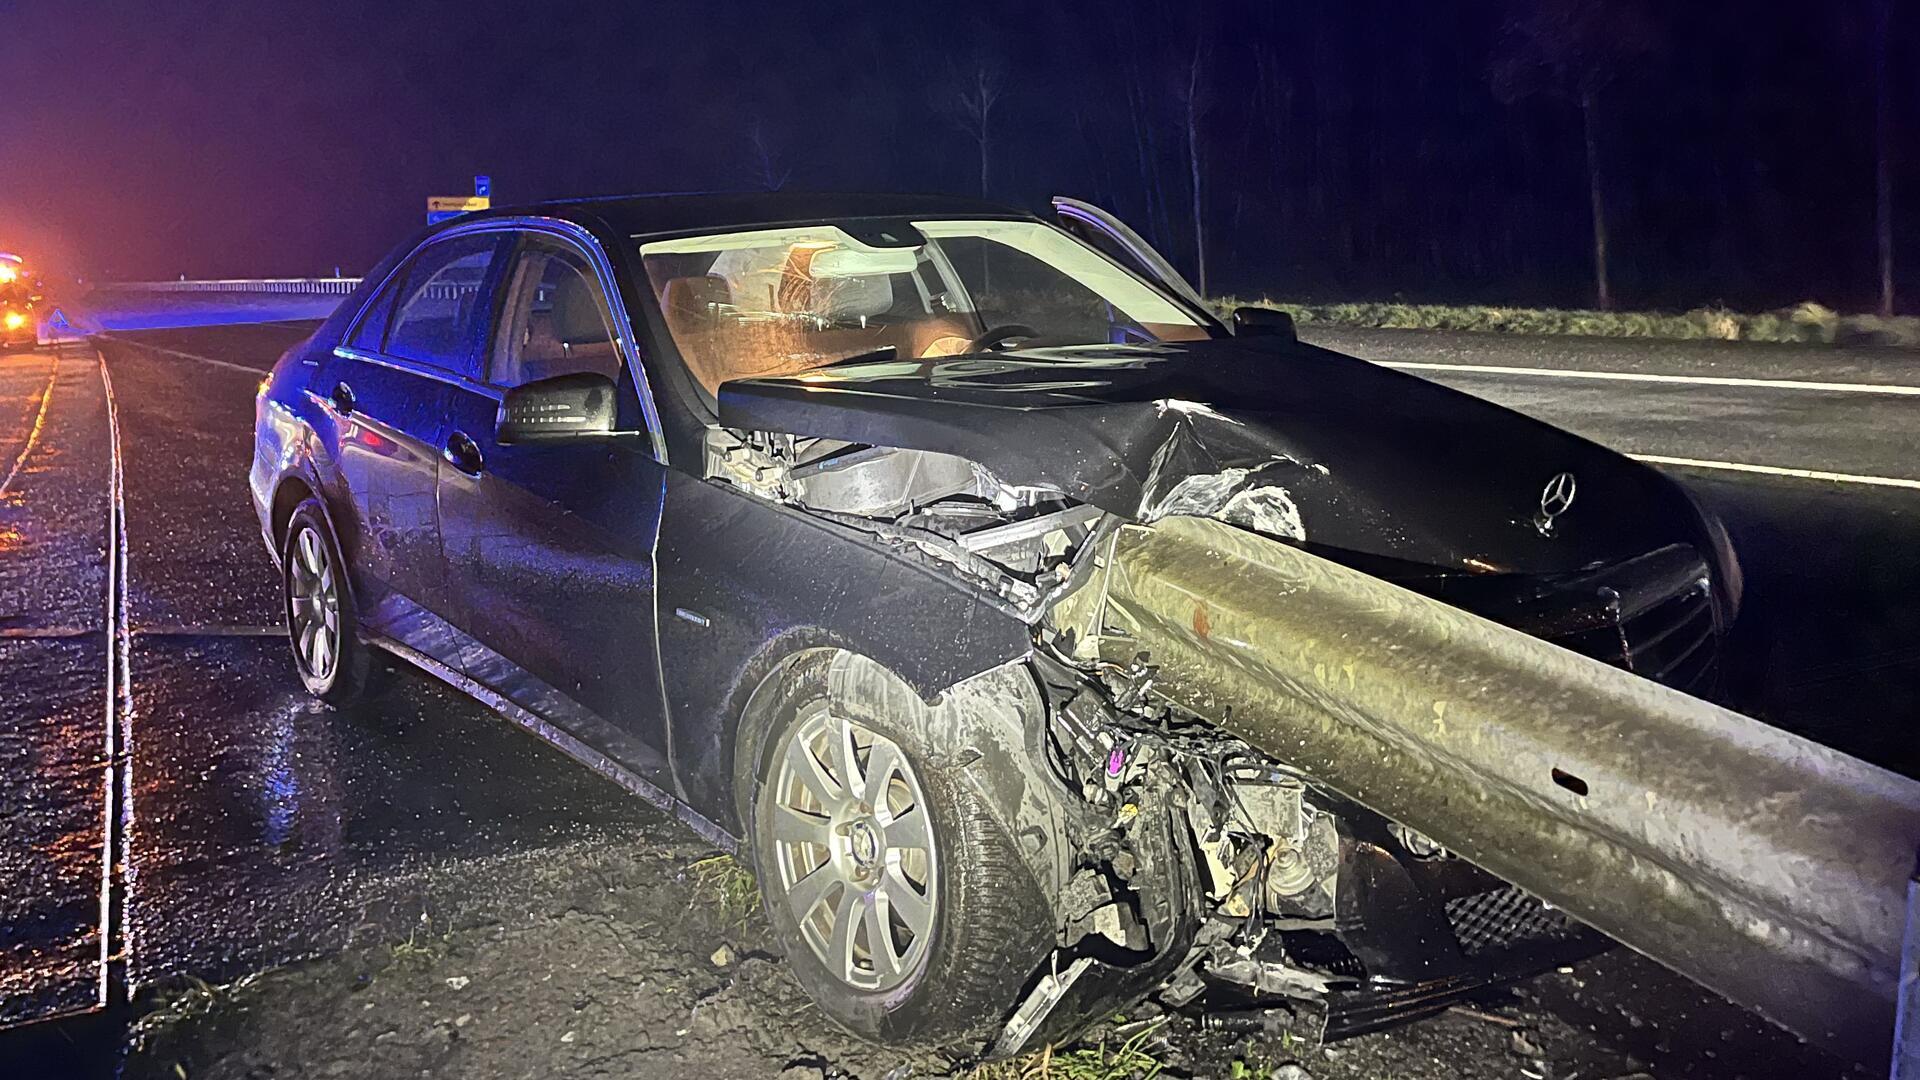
(1131, 1059)
(730, 887)
(1807, 323)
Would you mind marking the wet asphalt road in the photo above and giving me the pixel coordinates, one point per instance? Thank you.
(260, 828)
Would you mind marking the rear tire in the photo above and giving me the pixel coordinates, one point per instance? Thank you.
(917, 854)
(322, 625)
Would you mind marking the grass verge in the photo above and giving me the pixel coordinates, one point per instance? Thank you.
(1131, 1059)
(720, 880)
(1807, 324)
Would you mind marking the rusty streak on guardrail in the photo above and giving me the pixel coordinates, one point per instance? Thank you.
(1768, 867)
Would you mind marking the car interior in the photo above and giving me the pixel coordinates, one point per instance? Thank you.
(553, 324)
(786, 319)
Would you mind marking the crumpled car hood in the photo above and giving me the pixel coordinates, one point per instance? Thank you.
(1311, 445)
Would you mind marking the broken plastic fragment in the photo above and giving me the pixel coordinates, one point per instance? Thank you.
(1268, 509)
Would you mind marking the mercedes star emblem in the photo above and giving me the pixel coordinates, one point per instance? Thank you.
(1555, 499)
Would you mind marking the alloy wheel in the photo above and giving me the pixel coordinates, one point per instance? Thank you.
(854, 850)
(313, 603)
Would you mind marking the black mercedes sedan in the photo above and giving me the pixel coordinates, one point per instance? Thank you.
(765, 506)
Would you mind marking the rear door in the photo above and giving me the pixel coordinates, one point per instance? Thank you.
(550, 544)
(385, 392)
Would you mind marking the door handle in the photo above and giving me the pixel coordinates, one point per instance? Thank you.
(342, 397)
(463, 453)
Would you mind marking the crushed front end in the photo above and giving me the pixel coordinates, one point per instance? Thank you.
(1188, 863)
(1219, 879)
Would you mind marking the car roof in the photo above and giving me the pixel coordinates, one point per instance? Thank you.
(635, 215)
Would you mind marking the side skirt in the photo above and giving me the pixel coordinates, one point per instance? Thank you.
(565, 743)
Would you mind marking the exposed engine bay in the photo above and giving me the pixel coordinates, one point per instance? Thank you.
(1020, 543)
(1198, 869)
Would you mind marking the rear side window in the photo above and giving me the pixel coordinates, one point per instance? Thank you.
(372, 330)
(446, 305)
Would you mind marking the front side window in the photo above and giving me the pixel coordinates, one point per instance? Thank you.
(445, 305)
(554, 320)
(785, 301)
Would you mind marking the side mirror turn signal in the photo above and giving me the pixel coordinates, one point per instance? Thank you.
(556, 409)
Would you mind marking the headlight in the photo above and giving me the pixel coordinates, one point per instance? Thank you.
(15, 320)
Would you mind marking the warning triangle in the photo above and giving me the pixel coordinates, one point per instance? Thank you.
(57, 323)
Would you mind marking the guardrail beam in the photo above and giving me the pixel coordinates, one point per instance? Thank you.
(1763, 865)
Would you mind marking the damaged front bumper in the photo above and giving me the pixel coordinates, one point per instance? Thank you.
(1208, 873)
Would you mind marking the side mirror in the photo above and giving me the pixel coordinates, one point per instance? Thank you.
(556, 409)
(1263, 322)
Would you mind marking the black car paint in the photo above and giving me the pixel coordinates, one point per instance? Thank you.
(788, 582)
(639, 606)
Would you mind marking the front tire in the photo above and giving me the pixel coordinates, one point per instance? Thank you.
(904, 906)
(336, 666)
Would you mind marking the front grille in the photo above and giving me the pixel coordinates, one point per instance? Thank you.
(1671, 641)
(1652, 615)
(1505, 917)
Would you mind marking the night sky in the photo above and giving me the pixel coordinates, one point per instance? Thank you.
(1345, 150)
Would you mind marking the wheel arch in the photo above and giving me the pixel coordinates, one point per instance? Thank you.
(292, 490)
(989, 728)
(294, 487)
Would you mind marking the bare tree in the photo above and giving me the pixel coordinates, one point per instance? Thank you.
(977, 91)
(1194, 105)
(1575, 50)
(771, 172)
(1883, 148)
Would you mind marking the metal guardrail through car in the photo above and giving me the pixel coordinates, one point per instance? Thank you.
(1765, 866)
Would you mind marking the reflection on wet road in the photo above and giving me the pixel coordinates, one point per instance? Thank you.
(260, 827)
(267, 826)
(54, 466)
(51, 836)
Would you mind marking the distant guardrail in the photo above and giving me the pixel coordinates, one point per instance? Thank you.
(285, 286)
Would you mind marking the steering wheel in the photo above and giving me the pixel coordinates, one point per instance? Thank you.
(1000, 335)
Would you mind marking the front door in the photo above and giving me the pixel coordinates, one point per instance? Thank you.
(385, 395)
(550, 544)
(1111, 237)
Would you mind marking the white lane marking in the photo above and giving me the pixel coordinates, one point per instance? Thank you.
(1636, 376)
(186, 355)
(114, 945)
(1777, 470)
(39, 424)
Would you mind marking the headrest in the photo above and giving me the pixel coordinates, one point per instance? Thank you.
(576, 312)
(692, 299)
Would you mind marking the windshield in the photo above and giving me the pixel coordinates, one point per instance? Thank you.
(784, 301)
